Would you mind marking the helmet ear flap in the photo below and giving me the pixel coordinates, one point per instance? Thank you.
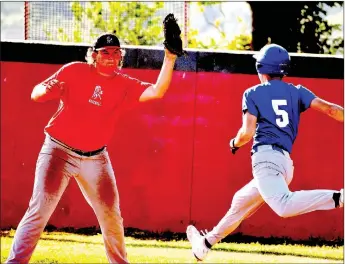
(259, 65)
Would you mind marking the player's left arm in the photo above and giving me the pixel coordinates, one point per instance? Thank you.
(245, 133)
(309, 99)
(162, 84)
(332, 110)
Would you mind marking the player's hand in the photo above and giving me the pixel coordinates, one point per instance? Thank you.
(51, 84)
(55, 86)
(233, 147)
(54, 83)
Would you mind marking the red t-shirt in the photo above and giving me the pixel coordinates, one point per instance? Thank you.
(90, 104)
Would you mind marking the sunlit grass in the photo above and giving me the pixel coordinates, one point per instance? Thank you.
(58, 247)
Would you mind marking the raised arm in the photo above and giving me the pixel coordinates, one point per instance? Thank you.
(173, 48)
(332, 110)
(163, 81)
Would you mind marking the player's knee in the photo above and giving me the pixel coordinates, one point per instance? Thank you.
(280, 205)
(282, 212)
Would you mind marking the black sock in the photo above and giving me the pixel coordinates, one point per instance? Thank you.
(208, 244)
(336, 198)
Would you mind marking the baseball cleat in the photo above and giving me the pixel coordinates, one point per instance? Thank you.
(197, 241)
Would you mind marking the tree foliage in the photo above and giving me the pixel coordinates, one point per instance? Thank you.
(135, 23)
(298, 26)
(239, 42)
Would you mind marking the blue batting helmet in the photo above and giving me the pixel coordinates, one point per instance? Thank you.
(272, 59)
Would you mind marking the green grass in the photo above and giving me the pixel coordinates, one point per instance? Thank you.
(59, 247)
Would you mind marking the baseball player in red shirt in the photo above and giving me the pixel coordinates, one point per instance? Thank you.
(92, 95)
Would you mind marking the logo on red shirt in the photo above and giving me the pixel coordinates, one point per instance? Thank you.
(96, 98)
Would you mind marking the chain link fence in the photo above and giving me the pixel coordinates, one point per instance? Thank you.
(135, 23)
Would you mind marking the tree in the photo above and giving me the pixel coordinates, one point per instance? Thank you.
(298, 26)
(135, 23)
(239, 42)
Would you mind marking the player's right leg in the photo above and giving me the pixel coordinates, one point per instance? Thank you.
(245, 202)
(53, 168)
(98, 185)
(273, 173)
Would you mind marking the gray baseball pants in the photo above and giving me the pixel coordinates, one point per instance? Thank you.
(273, 172)
(56, 165)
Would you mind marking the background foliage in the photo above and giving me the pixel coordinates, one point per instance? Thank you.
(298, 26)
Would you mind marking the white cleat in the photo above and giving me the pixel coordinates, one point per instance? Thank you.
(197, 241)
(341, 199)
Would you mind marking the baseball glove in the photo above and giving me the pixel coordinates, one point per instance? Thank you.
(172, 39)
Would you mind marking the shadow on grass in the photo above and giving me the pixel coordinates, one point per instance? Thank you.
(171, 236)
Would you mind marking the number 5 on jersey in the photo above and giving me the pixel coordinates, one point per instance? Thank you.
(283, 119)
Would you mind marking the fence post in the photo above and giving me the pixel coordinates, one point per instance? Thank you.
(185, 24)
(26, 20)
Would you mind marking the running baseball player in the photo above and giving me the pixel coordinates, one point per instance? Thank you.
(92, 95)
(271, 114)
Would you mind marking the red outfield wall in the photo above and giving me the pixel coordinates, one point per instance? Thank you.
(171, 157)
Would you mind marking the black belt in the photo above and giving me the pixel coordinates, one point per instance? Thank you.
(78, 151)
(88, 154)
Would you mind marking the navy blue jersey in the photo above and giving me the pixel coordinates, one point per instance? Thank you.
(277, 106)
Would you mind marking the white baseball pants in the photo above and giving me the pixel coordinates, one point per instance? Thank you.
(273, 172)
(56, 165)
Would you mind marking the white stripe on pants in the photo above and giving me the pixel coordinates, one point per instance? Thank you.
(95, 177)
(272, 173)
